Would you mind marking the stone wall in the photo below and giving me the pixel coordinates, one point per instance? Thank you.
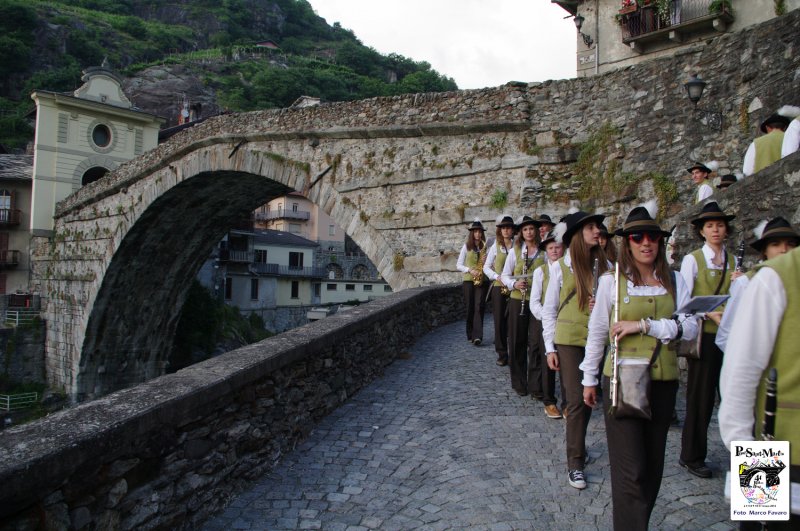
(169, 452)
(22, 351)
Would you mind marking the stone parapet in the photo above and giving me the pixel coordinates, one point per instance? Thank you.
(169, 452)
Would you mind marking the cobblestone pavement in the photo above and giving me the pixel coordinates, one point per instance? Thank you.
(441, 441)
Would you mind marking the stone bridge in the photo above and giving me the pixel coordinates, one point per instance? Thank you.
(402, 176)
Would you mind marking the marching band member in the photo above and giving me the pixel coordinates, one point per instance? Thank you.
(699, 173)
(766, 149)
(649, 294)
(553, 250)
(470, 262)
(791, 138)
(771, 305)
(565, 316)
(504, 242)
(706, 271)
(607, 243)
(525, 360)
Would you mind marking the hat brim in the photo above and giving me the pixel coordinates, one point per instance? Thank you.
(543, 244)
(580, 223)
(779, 233)
(533, 222)
(652, 228)
(699, 221)
(706, 169)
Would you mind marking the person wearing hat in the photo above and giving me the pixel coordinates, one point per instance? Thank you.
(770, 305)
(774, 238)
(524, 357)
(765, 149)
(706, 271)
(649, 294)
(470, 263)
(565, 316)
(498, 252)
(791, 138)
(726, 180)
(545, 225)
(699, 173)
(607, 244)
(553, 250)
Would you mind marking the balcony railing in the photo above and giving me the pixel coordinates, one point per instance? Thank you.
(289, 271)
(228, 255)
(9, 258)
(645, 23)
(9, 216)
(283, 214)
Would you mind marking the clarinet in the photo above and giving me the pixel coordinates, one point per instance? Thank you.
(595, 277)
(524, 274)
(770, 406)
(740, 255)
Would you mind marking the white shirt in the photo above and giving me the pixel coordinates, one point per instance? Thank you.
(749, 165)
(747, 356)
(737, 289)
(536, 291)
(703, 192)
(511, 263)
(462, 257)
(599, 321)
(488, 266)
(689, 266)
(791, 138)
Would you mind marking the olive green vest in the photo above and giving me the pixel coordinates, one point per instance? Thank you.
(545, 280)
(633, 308)
(471, 261)
(768, 149)
(533, 263)
(707, 281)
(499, 262)
(784, 358)
(572, 323)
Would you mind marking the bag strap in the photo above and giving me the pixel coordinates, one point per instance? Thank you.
(571, 294)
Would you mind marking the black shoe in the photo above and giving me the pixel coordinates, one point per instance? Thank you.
(538, 396)
(520, 393)
(476, 342)
(577, 479)
(502, 362)
(701, 471)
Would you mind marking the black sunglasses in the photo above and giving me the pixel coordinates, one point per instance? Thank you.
(638, 237)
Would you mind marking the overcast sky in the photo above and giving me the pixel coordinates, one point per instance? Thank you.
(479, 43)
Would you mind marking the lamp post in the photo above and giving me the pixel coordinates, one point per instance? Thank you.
(578, 20)
(694, 90)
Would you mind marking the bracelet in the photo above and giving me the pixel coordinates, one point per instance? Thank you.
(641, 326)
(680, 329)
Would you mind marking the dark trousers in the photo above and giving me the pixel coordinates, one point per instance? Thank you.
(701, 393)
(499, 311)
(542, 373)
(524, 359)
(475, 300)
(636, 454)
(578, 413)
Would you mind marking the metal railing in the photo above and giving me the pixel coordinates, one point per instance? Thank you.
(18, 317)
(289, 271)
(18, 401)
(10, 216)
(228, 255)
(283, 214)
(9, 258)
(647, 19)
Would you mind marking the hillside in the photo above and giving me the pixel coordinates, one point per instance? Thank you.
(204, 50)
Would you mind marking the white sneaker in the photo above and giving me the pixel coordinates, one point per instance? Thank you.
(576, 479)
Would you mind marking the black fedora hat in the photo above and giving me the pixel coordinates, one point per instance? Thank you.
(544, 218)
(727, 180)
(699, 166)
(504, 221)
(578, 219)
(711, 210)
(603, 229)
(476, 225)
(526, 220)
(775, 228)
(775, 120)
(549, 237)
(640, 219)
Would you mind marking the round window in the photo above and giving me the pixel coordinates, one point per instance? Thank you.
(101, 135)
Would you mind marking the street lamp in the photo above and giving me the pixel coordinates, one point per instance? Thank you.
(694, 90)
(578, 20)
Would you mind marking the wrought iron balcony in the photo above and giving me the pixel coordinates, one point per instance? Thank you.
(289, 271)
(228, 255)
(9, 216)
(643, 24)
(9, 258)
(280, 213)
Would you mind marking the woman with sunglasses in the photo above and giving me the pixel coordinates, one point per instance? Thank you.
(470, 263)
(649, 293)
(525, 361)
(706, 271)
(565, 315)
(498, 252)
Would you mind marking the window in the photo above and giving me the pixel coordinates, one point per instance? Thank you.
(5, 199)
(317, 289)
(101, 135)
(260, 256)
(254, 289)
(295, 289)
(349, 287)
(228, 288)
(294, 228)
(294, 207)
(93, 174)
(330, 287)
(331, 230)
(295, 260)
(387, 288)
(367, 287)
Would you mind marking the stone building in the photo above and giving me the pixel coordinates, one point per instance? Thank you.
(620, 33)
(15, 215)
